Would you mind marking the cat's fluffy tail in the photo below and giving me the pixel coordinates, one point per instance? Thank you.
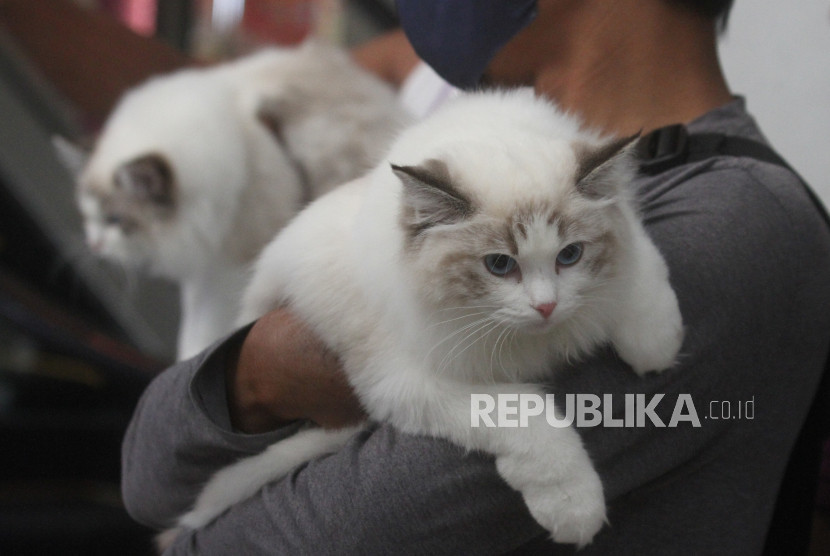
(243, 479)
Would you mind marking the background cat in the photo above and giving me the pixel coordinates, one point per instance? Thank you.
(496, 243)
(195, 171)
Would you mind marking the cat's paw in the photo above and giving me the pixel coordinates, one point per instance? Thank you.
(570, 506)
(165, 539)
(573, 513)
(651, 351)
(650, 339)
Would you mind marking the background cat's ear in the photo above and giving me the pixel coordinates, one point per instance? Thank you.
(429, 196)
(602, 170)
(271, 112)
(148, 178)
(71, 155)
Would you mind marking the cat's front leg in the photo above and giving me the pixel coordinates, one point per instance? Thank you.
(648, 327)
(557, 479)
(548, 465)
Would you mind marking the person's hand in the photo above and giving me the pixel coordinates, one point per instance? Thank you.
(282, 373)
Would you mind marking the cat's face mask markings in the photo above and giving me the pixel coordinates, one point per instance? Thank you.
(535, 271)
(148, 178)
(542, 289)
(120, 209)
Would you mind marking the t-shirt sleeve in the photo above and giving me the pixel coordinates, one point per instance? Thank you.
(180, 434)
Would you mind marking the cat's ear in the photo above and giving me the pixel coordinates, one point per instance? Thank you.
(147, 178)
(602, 170)
(271, 112)
(429, 196)
(72, 155)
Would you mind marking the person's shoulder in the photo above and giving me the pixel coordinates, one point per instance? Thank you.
(735, 193)
(743, 174)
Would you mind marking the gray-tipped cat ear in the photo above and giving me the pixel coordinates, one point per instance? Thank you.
(600, 170)
(429, 196)
(71, 155)
(271, 112)
(290, 103)
(147, 178)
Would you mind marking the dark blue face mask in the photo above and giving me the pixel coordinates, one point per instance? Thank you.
(458, 38)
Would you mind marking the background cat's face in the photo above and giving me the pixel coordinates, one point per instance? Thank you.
(124, 210)
(529, 261)
(160, 189)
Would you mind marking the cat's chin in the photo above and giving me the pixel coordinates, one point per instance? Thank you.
(117, 257)
(129, 262)
(537, 327)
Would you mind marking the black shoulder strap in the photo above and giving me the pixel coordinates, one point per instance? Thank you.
(673, 146)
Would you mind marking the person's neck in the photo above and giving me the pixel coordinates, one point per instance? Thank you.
(624, 82)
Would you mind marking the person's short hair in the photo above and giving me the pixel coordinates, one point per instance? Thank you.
(713, 9)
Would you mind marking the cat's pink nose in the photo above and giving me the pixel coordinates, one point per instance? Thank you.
(545, 309)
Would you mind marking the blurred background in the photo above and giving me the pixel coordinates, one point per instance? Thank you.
(79, 339)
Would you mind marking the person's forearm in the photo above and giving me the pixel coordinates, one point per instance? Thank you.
(283, 373)
(389, 56)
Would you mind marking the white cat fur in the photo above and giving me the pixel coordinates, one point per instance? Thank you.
(237, 180)
(344, 266)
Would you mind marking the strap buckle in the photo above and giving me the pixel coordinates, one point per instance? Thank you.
(663, 148)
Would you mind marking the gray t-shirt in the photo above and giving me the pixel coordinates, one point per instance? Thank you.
(749, 258)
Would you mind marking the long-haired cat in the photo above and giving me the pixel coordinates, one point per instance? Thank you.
(194, 172)
(495, 244)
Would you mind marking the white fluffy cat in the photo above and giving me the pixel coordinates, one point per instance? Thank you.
(195, 171)
(496, 243)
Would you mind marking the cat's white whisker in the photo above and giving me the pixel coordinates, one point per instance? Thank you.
(497, 347)
(475, 326)
(462, 329)
(506, 340)
(466, 308)
(466, 316)
(489, 325)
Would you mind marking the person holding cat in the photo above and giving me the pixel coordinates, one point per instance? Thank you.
(749, 259)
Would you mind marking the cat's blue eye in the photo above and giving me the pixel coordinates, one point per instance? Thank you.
(500, 265)
(113, 220)
(570, 255)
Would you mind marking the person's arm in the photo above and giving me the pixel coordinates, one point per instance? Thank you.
(389, 56)
(666, 487)
(241, 395)
(282, 373)
(384, 492)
